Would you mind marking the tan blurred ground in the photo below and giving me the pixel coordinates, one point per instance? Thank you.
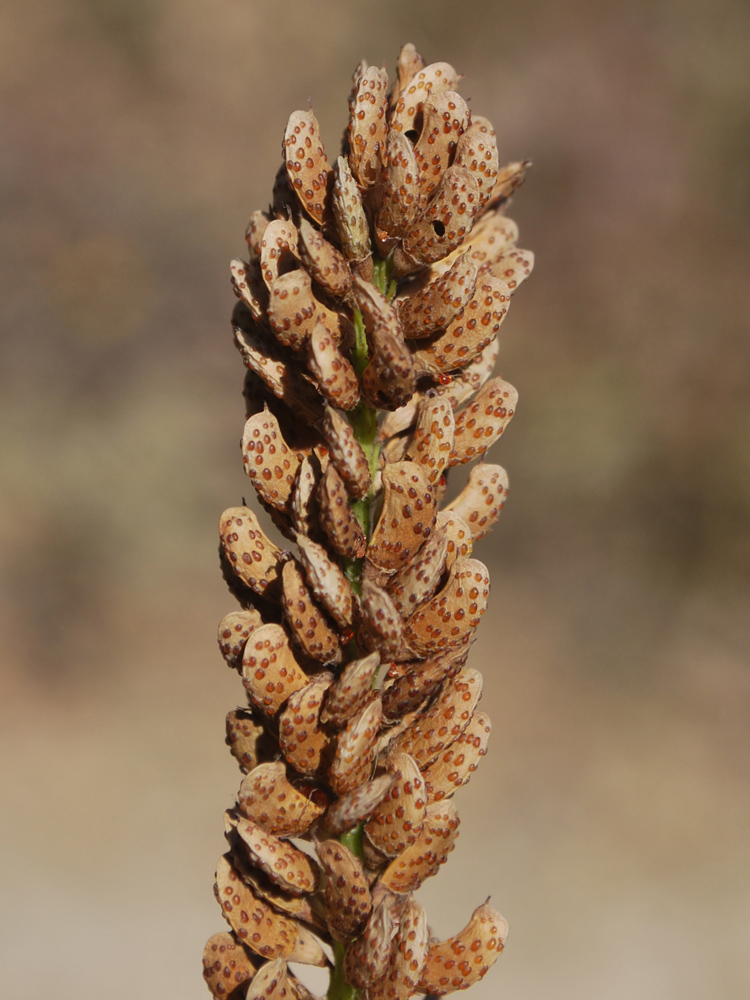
(610, 822)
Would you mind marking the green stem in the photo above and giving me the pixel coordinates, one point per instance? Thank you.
(338, 988)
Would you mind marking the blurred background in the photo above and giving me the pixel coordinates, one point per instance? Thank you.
(611, 821)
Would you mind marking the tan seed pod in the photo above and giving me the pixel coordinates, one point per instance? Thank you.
(301, 739)
(401, 198)
(307, 166)
(256, 227)
(432, 308)
(454, 767)
(333, 371)
(271, 982)
(255, 923)
(310, 630)
(458, 533)
(453, 613)
(367, 125)
(462, 961)
(421, 681)
(343, 530)
(410, 62)
(296, 907)
(234, 630)
(430, 850)
(270, 672)
(470, 332)
(328, 267)
(407, 518)
(293, 310)
(327, 581)
(446, 221)
(355, 749)
(434, 731)
(389, 379)
(268, 461)
(417, 581)
(262, 356)
(278, 249)
(381, 625)
(346, 453)
(367, 957)
(472, 377)
(408, 957)
(347, 894)
(433, 79)
(477, 150)
(349, 810)
(251, 554)
(375, 307)
(243, 738)
(432, 442)
(290, 869)
(513, 267)
(268, 798)
(349, 216)
(445, 117)
(307, 950)
(248, 288)
(479, 503)
(402, 419)
(226, 965)
(493, 235)
(350, 691)
(483, 421)
(509, 179)
(397, 821)
(303, 501)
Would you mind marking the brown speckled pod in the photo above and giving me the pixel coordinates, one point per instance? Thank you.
(433, 79)
(451, 616)
(307, 166)
(268, 798)
(479, 503)
(426, 310)
(407, 518)
(417, 581)
(234, 630)
(462, 960)
(513, 267)
(267, 933)
(397, 822)
(445, 117)
(226, 965)
(270, 671)
(431, 444)
(349, 214)
(268, 461)
(430, 850)
(346, 453)
(244, 737)
(343, 530)
(351, 808)
(347, 893)
(290, 869)
(367, 958)
(301, 738)
(330, 587)
(355, 749)
(327, 265)
(309, 627)
(454, 767)
(483, 421)
(350, 691)
(407, 959)
(271, 982)
(251, 554)
(368, 126)
(333, 371)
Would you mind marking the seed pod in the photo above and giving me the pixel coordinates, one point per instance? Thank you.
(307, 950)
(479, 503)
(430, 850)
(293, 310)
(226, 965)
(455, 766)
(307, 166)
(355, 749)
(471, 377)
(409, 64)
(367, 957)
(301, 739)
(483, 421)
(310, 630)
(446, 221)
(433, 731)
(458, 533)
(433, 79)
(470, 332)
(397, 822)
(251, 554)
(452, 615)
(302, 505)
(270, 672)
(256, 227)
(268, 798)
(234, 630)
(408, 956)
(462, 960)
(278, 249)
(347, 895)
(248, 288)
(333, 371)
(380, 626)
(328, 267)
(268, 461)
(444, 118)
(271, 982)
(432, 441)
(262, 356)
(513, 267)
(327, 581)
(417, 581)
(432, 308)
(389, 379)
(492, 236)
(407, 518)
(509, 179)
(243, 738)
(290, 869)
(298, 908)
(420, 682)
(346, 453)
(401, 419)
(477, 150)
(401, 199)
(266, 932)
(350, 691)
(368, 126)
(349, 810)
(349, 216)
(337, 519)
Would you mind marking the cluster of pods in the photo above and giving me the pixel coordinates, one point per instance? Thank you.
(368, 315)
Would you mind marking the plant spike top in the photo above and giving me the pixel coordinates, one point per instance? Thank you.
(376, 283)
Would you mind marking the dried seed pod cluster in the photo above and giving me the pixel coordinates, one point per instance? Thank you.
(368, 318)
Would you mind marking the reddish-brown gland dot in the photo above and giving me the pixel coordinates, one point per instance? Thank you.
(463, 960)
(444, 379)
